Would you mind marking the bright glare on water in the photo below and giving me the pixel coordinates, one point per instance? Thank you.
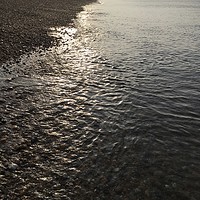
(115, 105)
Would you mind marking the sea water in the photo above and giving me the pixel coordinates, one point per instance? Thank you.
(115, 106)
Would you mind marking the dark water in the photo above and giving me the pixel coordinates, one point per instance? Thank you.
(112, 112)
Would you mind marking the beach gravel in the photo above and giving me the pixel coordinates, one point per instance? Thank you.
(24, 23)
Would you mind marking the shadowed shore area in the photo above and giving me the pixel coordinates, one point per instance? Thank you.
(24, 23)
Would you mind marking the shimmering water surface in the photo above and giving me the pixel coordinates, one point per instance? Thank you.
(112, 111)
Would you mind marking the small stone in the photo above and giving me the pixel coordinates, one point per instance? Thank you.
(174, 185)
(2, 121)
(13, 166)
(116, 169)
(158, 173)
(2, 101)
(147, 193)
(137, 190)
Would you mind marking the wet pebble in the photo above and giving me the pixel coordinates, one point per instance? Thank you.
(158, 173)
(2, 121)
(12, 166)
(137, 190)
(116, 169)
(2, 101)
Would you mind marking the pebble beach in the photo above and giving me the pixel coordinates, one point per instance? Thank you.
(24, 24)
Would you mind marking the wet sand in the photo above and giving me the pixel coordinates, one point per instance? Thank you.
(24, 23)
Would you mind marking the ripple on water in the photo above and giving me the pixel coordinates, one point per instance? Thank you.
(88, 123)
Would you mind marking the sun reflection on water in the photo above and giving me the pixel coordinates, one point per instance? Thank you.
(74, 43)
(63, 33)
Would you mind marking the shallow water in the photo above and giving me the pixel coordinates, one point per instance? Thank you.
(111, 112)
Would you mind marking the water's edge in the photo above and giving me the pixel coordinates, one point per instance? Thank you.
(111, 112)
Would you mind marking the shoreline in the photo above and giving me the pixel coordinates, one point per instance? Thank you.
(24, 24)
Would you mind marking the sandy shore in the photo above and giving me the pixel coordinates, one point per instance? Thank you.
(24, 23)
